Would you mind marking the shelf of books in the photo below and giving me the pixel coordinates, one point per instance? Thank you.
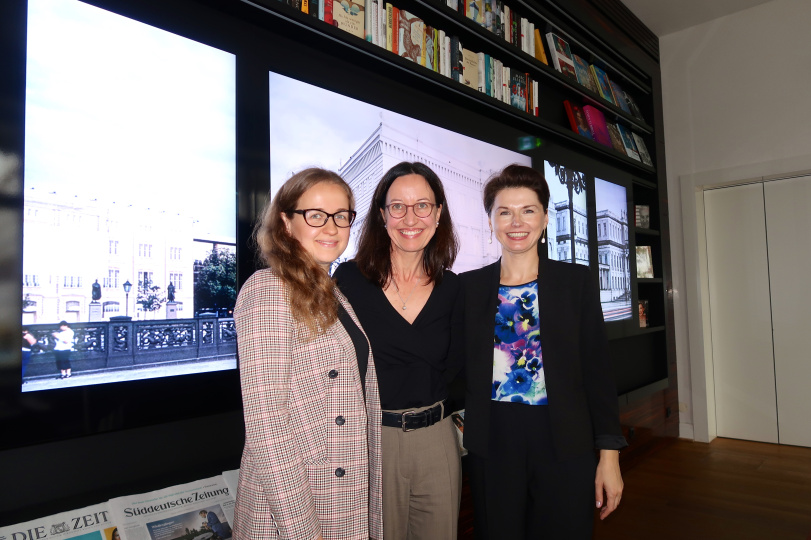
(508, 56)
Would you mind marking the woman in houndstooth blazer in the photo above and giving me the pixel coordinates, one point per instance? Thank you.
(311, 464)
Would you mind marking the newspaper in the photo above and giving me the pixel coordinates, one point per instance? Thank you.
(90, 523)
(231, 480)
(201, 510)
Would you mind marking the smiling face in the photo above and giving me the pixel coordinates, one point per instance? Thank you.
(411, 233)
(325, 243)
(518, 220)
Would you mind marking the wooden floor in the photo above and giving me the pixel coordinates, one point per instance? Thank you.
(728, 489)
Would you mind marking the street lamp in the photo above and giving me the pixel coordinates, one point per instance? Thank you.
(127, 289)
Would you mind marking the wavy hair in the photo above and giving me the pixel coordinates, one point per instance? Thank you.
(374, 246)
(311, 290)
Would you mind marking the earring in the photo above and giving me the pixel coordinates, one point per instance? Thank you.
(490, 241)
(437, 224)
(543, 237)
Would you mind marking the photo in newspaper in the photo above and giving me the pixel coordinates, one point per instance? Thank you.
(207, 524)
(202, 510)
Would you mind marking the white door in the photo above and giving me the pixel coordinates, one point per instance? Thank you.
(743, 361)
(788, 226)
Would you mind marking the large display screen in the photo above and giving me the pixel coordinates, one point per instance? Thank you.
(568, 229)
(612, 249)
(129, 267)
(311, 126)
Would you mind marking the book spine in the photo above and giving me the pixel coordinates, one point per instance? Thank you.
(456, 68)
(540, 54)
(535, 91)
(389, 14)
(480, 82)
(305, 6)
(328, 12)
(315, 6)
(368, 13)
(321, 10)
(395, 31)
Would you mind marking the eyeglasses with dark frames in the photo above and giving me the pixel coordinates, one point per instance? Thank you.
(318, 218)
(420, 209)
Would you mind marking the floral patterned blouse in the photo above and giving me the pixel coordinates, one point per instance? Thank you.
(517, 360)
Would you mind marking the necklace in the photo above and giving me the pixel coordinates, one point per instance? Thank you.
(397, 290)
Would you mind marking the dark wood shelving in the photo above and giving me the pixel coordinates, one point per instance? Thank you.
(647, 232)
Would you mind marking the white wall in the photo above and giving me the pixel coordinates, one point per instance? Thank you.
(736, 108)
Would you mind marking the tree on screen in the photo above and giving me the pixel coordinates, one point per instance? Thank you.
(149, 296)
(215, 284)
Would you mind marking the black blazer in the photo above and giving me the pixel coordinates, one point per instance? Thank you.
(583, 404)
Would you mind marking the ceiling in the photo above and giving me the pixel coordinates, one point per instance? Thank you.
(667, 16)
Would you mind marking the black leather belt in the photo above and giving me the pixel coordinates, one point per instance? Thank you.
(410, 420)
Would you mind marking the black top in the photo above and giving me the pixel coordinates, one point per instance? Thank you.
(583, 405)
(414, 362)
(359, 341)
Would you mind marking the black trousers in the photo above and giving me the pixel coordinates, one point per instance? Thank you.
(522, 490)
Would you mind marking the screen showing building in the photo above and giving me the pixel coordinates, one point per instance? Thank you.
(612, 249)
(568, 231)
(361, 142)
(129, 204)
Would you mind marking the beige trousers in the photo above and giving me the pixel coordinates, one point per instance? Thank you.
(422, 482)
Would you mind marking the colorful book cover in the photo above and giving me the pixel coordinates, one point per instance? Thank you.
(470, 69)
(475, 11)
(561, 55)
(616, 138)
(628, 142)
(642, 149)
(603, 85)
(644, 262)
(581, 68)
(643, 314)
(619, 97)
(518, 90)
(599, 129)
(540, 53)
(349, 16)
(410, 36)
(577, 120)
(305, 6)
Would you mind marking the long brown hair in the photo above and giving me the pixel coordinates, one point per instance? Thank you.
(374, 246)
(311, 290)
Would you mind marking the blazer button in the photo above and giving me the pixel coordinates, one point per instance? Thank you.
(332, 373)
(340, 420)
(339, 472)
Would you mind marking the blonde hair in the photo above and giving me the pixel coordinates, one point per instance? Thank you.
(311, 290)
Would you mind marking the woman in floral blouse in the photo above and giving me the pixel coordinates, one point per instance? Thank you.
(541, 405)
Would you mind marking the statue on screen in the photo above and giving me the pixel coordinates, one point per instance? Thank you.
(170, 292)
(96, 290)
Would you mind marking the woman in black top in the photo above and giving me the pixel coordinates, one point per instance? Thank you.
(540, 399)
(407, 301)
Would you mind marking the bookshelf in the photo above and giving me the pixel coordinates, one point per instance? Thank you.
(644, 356)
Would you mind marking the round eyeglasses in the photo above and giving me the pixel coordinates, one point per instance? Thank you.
(318, 218)
(421, 209)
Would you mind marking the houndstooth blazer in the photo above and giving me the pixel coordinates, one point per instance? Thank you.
(311, 463)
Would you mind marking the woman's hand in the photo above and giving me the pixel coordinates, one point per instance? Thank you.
(608, 482)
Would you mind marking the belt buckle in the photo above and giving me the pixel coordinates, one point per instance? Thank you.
(403, 421)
